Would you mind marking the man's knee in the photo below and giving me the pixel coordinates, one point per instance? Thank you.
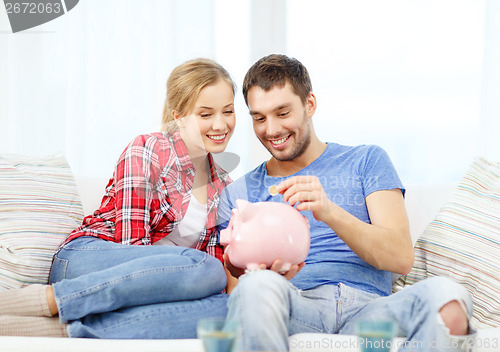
(262, 283)
(443, 290)
(454, 313)
(455, 318)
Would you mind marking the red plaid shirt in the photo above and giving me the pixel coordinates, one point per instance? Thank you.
(149, 194)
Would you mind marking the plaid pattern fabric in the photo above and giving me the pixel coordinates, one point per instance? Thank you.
(149, 194)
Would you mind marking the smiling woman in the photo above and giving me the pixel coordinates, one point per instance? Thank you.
(200, 106)
(155, 229)
(212, 119)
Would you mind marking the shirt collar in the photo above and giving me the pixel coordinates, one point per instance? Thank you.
(216, 172)
(180, 150)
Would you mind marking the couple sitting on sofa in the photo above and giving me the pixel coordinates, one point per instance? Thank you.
(148, 263)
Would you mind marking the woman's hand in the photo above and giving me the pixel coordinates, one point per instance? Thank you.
(235, 271)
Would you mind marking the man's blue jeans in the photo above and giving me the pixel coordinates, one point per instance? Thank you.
(109, 290)
(269, 309)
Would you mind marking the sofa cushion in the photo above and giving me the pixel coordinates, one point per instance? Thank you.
(39, 207)
(463, 242)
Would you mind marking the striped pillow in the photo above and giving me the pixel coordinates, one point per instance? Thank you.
(39, 207)
(463, 242)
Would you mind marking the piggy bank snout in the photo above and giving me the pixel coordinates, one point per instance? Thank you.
(225, 236)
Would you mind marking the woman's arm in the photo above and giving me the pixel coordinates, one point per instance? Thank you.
(135, 178)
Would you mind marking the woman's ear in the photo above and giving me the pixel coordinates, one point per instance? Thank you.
(177, 118)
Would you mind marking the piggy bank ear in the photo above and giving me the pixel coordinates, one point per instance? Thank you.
(244, 209)
(241, 204)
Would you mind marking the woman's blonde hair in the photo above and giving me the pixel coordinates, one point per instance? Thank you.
(184, 85)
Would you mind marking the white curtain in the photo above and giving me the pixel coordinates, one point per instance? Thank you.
(86, 83)
(420, 78)
(490, 97)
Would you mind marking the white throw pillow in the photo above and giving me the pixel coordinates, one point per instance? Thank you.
(39, 207)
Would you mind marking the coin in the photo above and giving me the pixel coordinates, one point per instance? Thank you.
(273, 190)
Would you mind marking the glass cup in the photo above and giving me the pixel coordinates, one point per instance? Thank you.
(376, 335)
(217, 334)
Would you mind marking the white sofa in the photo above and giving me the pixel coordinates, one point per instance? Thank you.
(422, 205)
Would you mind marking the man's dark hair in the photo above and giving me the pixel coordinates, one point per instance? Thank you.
(276, 70)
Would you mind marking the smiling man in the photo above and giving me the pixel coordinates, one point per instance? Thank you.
(354, 201)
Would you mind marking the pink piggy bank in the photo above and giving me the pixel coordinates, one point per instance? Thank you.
(260, 233)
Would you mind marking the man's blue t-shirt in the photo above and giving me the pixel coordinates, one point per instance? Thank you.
(348, 175)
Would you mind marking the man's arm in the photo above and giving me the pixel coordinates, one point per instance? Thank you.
(385, 243)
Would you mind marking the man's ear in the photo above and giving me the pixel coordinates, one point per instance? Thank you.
(311, 104)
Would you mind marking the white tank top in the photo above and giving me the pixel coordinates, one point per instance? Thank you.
(188, 230)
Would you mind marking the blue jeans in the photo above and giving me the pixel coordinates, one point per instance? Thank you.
(109, 290)
(269, 309)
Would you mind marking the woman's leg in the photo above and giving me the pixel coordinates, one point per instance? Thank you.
(31, 326)
(27, 301)
(175, 320)
(93, 276)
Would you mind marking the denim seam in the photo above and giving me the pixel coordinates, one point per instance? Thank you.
(63, 263)
(339, 307)
(242, 321)
(308, 325)
(92, 248)
(144, 316)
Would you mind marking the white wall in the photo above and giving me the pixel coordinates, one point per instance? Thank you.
(420, 78)
(406, 75)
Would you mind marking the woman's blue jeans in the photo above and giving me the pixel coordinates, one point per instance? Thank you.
(109, 290)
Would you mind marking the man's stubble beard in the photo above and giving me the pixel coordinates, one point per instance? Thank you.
(299, 148)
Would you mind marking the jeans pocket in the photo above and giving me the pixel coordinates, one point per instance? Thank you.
(58, 270)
